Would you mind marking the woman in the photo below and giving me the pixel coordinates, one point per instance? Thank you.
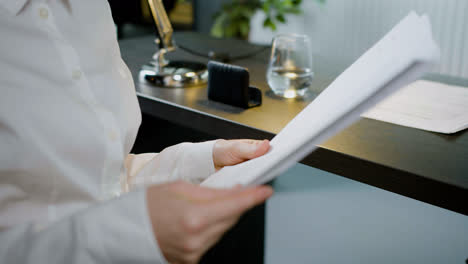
(68, 119)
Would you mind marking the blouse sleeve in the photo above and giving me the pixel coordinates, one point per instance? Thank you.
(117, 231)
(192, 162)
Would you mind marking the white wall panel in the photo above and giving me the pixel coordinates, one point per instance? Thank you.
(342, 30)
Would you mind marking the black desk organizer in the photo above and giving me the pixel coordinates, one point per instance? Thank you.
(229, 84)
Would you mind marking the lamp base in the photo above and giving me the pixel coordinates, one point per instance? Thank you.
(175, 74)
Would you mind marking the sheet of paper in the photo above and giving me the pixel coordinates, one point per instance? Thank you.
(425, 105)
(398, 59)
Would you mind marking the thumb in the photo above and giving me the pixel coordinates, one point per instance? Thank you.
(249, 149)
(232, 152)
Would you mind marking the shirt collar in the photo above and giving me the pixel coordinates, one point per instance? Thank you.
(14, 6)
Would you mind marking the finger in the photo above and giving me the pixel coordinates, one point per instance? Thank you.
(199, 193)
(223, 225)
(236, 203)
(214, 232)
(231, 152)
(262, 148)
(249, 149)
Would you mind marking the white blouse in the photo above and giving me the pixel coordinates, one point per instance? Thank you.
(68, 119)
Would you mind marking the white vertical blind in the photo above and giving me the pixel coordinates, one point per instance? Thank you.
(342, 30)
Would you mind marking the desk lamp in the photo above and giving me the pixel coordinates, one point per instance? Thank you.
(170, 73)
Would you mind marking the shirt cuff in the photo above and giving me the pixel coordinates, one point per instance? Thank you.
(134, 163)
(197, 161)
(192, 162)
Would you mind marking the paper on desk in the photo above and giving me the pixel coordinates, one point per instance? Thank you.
(398, 59)
(425, 105)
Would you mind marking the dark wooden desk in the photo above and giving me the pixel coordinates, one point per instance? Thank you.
(426, 166)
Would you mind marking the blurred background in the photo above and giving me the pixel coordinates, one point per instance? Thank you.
(341, 30)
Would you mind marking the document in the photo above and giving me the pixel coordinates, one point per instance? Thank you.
(399, 58)
(425, 105)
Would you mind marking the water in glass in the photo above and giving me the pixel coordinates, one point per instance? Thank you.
(290, 71)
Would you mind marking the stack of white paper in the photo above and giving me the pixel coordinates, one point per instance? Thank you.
(425, 105)
(398, 59)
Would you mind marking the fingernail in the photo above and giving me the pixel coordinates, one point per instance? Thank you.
(249, 147)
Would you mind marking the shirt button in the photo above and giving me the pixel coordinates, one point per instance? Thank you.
(43, 13)
(76, 74)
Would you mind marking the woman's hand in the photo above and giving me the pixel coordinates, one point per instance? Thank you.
(232, 152)
(189, 219)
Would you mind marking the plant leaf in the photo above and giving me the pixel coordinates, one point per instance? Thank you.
(217, 30)
(281, 18)
(269, 23)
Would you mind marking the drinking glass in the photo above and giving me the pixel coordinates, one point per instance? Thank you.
(289, 72)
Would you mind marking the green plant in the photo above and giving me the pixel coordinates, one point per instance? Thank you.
(233, 20)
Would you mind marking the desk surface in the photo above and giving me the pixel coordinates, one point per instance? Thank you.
(426, 166)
